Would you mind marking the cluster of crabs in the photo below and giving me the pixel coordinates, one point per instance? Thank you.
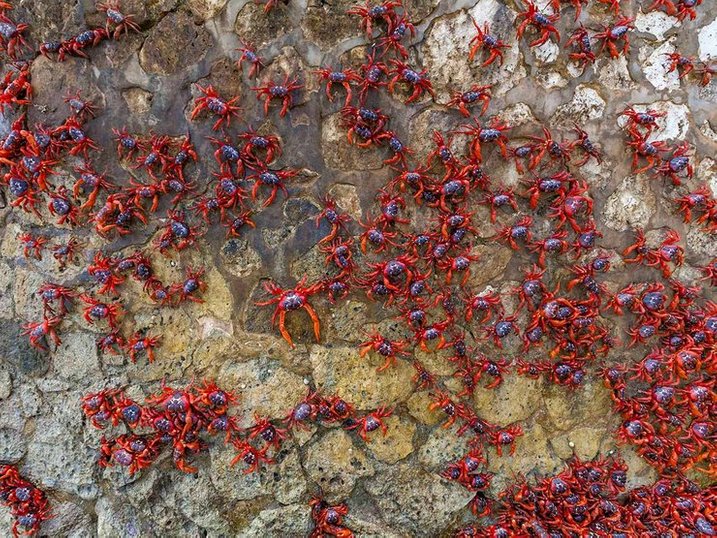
(28, 504)
(182, 418)
(591, 495)
(417, 255)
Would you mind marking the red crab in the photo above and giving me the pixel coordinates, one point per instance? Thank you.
(520, 231)
(248, 54)
(400, 28)
(444, 403)
(281, 91)
(54, 293)
(65, 252)
(214, 103)
(72, 134)
(418, 81)
(252, 457)
(81, 108)
(102, 269)
(236, 223)
(260, 148)
(580, 41)
(488, 303)
(505, 437)
(373, 235)
(556, 150)
(75, 45)
(89, 183)
(684, 65)
(458, 264)
(588, 148)
(396, 274)
(11, 38)
(484, 40)
(270, 434)
(97, 310)
(16, 88)
(289, 300)
(40, 330)
(343, 78)
(480, 135)
(142, 343)
(370, 15)
(32, 245)
(371, 71)
(135, 452)
(370, 423)
(274, 179)
(649, 150)
(700, 199)
(384, 347)
(192, 284)
(646, 119)
(127, 144)
(611, 35)
(336, 220)
(62, 207)
(328, 519)
(477, 93)
(542, 23)
(121, 22)
(177, 233)
(678, 162)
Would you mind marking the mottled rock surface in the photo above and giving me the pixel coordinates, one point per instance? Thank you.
(392, 483)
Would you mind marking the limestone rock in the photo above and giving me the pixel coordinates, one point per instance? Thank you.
(402, 492)
(335, 464)
(173, 44)
(341, 371)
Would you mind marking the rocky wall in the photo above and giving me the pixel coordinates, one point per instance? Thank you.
(392, 483)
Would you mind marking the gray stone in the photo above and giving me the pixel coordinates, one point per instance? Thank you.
(402, 492)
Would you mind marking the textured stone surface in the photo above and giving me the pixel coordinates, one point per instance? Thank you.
(392, 484)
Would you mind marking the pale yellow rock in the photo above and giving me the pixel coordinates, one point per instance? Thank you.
(342, 372)
(396, 444)
(335, 464)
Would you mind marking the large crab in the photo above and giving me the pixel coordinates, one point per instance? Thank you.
(288, 300)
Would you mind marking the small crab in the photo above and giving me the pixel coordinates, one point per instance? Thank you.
(476, 93)
(248, 54)
(384, 347)
(142, 343)
(370, 423)
(542, 22)
(97, 310)
(402, 73)
(343, 78)
(211, 101)
(281, 91)
(121, 22)
(611, 35)
(484, 40)
(40, 330)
